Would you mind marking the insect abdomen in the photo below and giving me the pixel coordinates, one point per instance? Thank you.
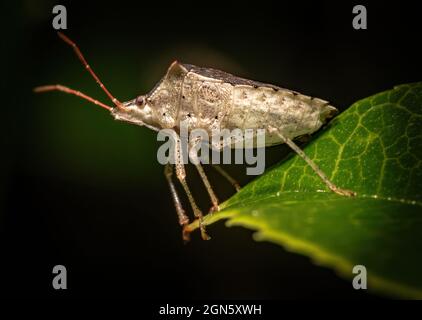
(261, 107)
(210, 103)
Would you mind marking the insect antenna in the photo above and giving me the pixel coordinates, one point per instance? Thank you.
(58, 87)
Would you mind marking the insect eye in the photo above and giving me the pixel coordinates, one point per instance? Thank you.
(140, 101)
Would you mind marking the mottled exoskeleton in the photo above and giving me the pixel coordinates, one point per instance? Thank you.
(210, 99)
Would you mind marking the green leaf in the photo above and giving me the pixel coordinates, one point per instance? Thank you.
(373, 148)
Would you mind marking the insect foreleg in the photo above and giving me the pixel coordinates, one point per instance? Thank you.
(318, 171)
(183, 218)
(181, 175)
(194, 157)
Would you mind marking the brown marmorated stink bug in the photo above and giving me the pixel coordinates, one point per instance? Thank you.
(207, 98)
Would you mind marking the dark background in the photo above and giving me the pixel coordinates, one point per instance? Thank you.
(87, 192)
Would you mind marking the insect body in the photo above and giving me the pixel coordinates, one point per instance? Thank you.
(209, 99)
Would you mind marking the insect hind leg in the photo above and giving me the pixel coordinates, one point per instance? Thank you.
(312, 164)
(227, 176)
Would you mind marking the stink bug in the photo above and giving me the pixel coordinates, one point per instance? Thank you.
(208, 98)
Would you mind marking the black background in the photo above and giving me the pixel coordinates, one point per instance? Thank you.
(111, 221)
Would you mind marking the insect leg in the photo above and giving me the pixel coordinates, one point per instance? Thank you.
(228, 177)
(223, 172)
(183, 218)
(318, 171)
(181, 175)
(194, 157)
(210, 191)
(219, 147)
